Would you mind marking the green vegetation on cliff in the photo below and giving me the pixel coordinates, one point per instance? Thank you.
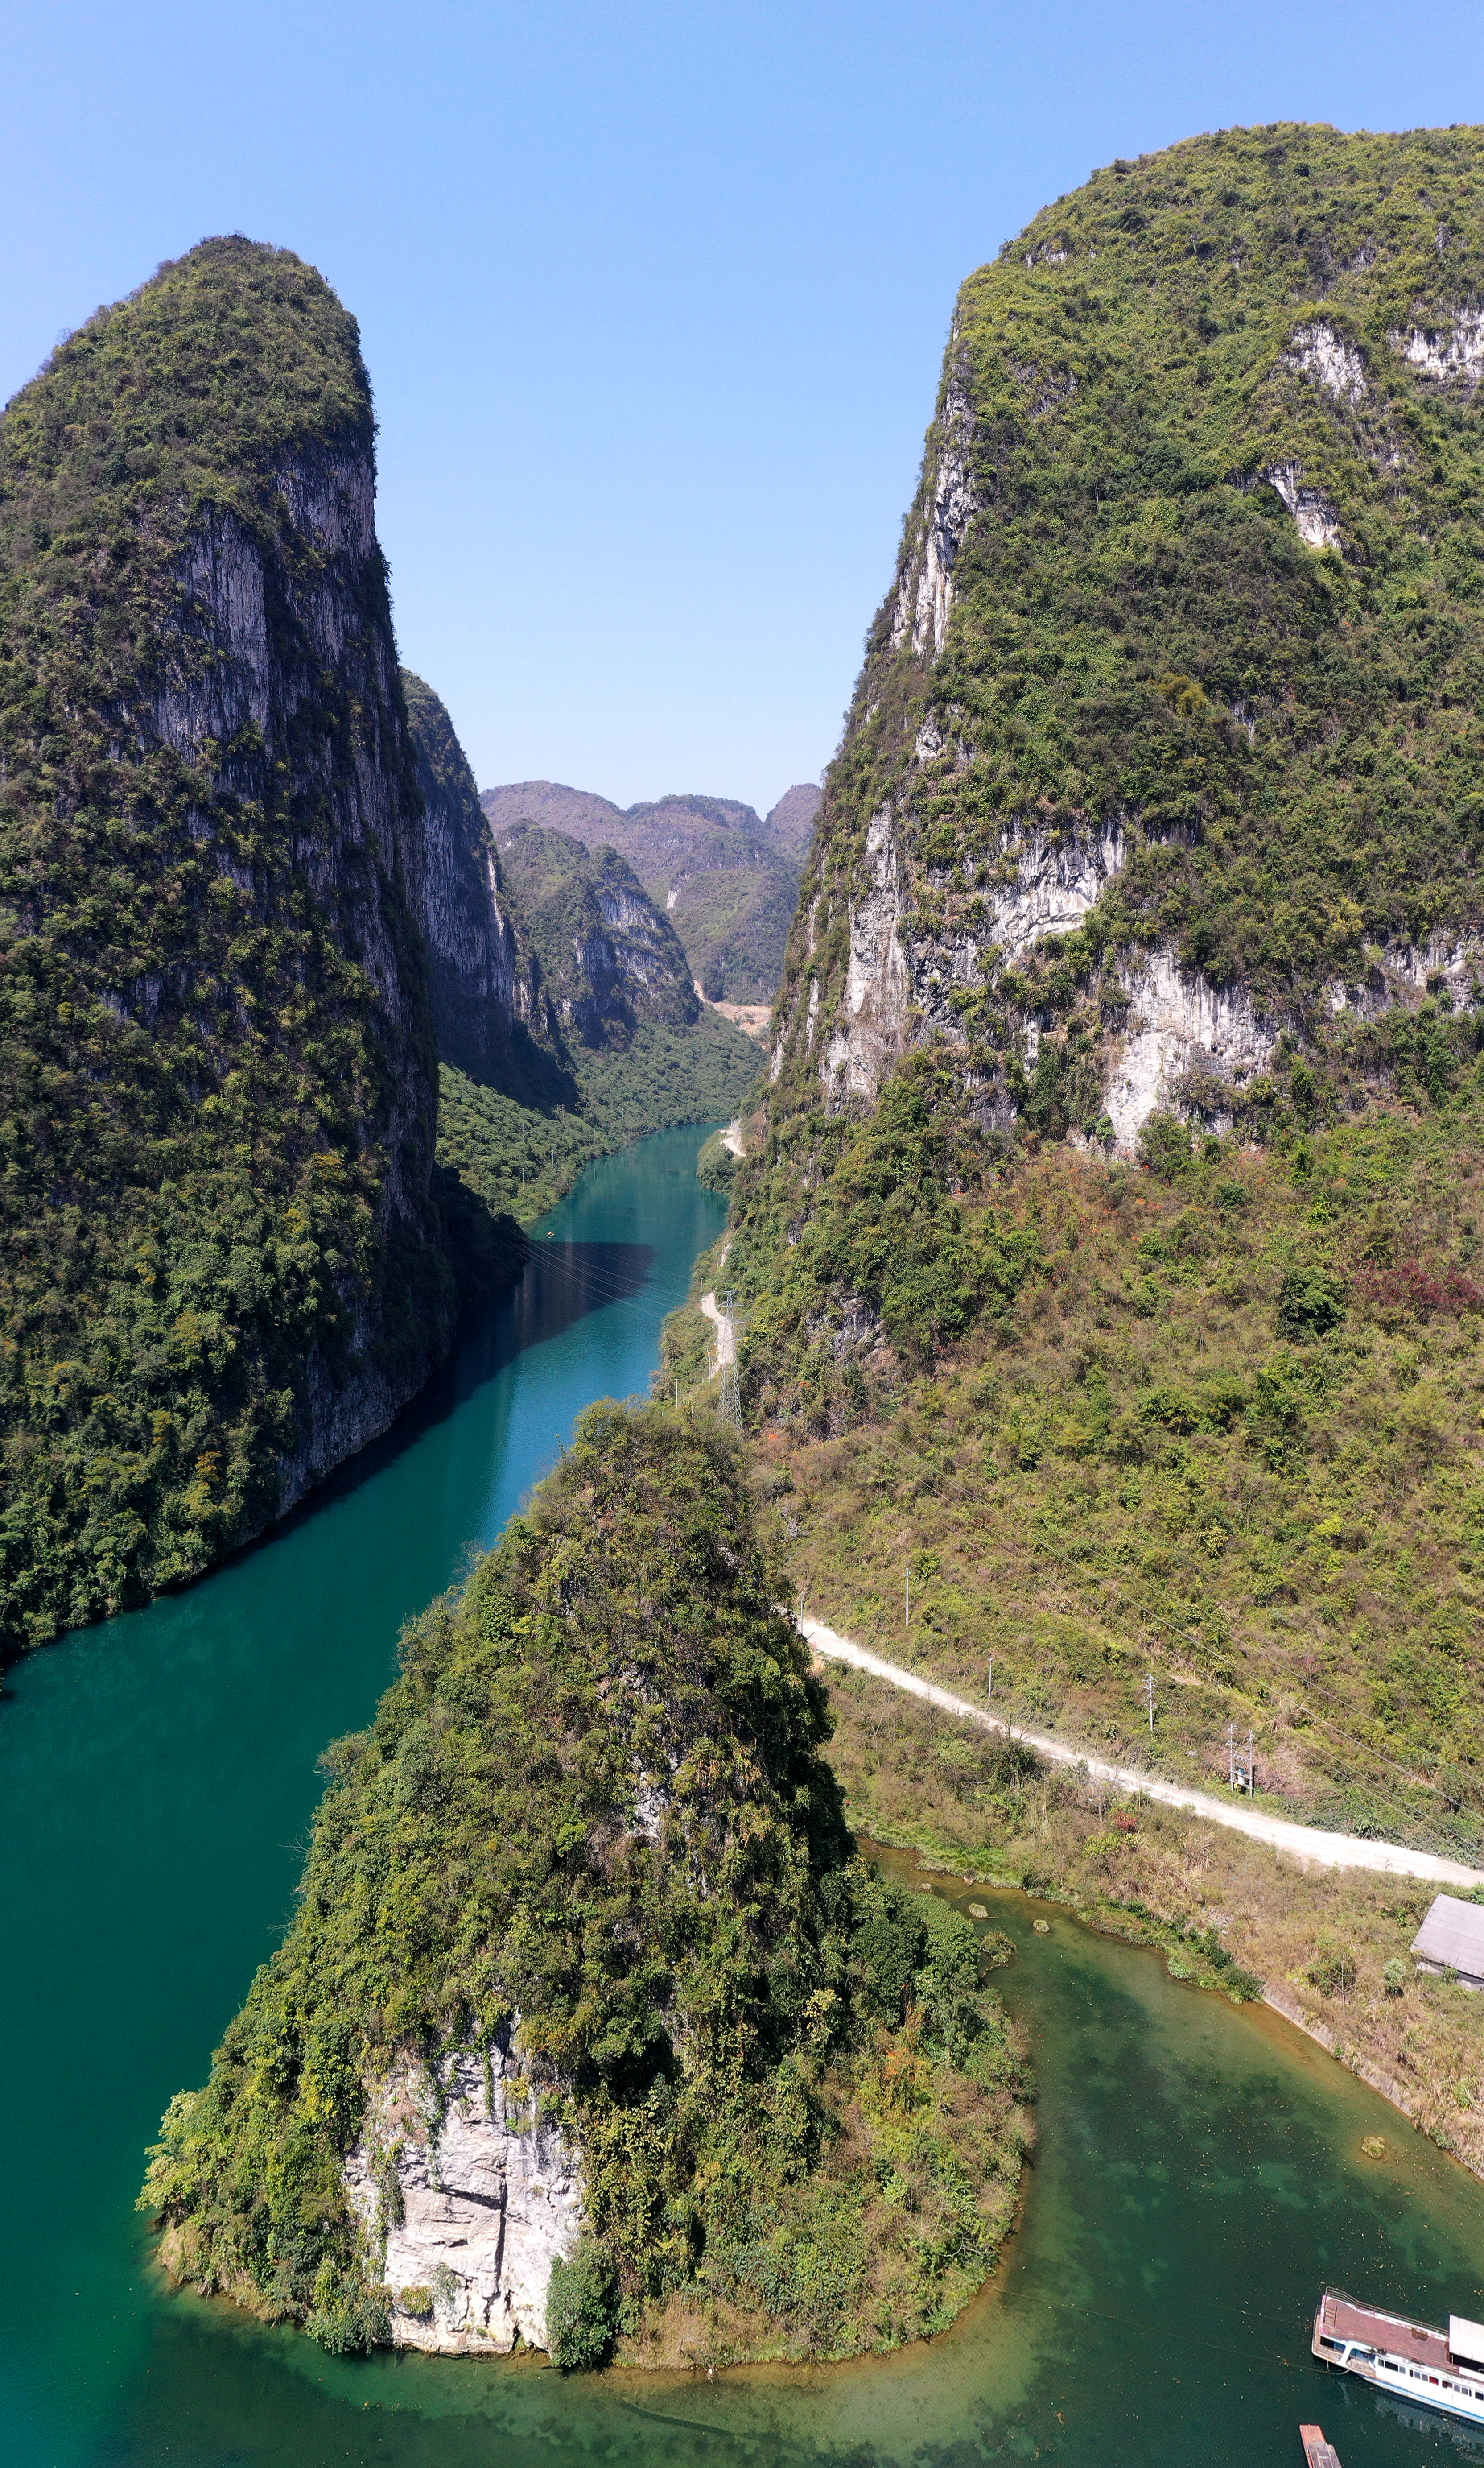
(1204, 479)
(593, 1817)
(521, 1158)
(217, 1094)
(1217, 1414)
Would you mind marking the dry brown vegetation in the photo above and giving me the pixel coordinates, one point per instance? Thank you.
(1229, 1429)
(1332, 1944)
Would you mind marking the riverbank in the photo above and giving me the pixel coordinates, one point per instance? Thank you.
(1328, 1948)
(159, 1773)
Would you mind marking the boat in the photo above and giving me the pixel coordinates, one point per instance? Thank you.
(1318, 2453)
(1442, 2369)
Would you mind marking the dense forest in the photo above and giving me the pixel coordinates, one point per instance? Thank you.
(224, 1260)
(591, 1834)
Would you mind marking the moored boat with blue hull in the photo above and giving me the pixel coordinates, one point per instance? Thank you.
(1442, 2369)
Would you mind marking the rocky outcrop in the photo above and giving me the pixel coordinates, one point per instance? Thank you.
(924, 584)
(216, 1059)
(1450, 354)
(466, 2198)
(489, 1003)
(609, 959)
(1180, 1028)
(1316, 517)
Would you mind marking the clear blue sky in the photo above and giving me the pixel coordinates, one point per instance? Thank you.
(652, 295)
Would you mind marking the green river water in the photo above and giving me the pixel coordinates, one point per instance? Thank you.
(1198, 2176)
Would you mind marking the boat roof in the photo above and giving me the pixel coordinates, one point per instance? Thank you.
(1453, 1933)
(1318, 2453)
(1418, 2341)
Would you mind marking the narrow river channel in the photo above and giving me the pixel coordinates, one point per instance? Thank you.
(1198, 2175)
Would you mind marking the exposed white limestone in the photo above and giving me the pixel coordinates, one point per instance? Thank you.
(1179, 1022)
(1057, 883)
(1318, 520)
(1319, 353)
(925, 593)
(873, 1021)
(1453, 355)
(473, 2208)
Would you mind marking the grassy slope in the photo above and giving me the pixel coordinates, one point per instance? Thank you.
(796, 2100)
(195, 1076)
(1220, 1413)
(1224, 1423)
(1335, 1946)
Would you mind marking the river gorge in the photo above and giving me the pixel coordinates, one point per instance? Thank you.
(1198, 2175)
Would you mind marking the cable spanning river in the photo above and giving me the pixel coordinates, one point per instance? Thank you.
(1200, 2173)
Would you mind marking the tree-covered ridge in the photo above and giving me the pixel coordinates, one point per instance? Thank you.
(217, 1097)
(594, 1811)
(1139, 636)
(609, 957)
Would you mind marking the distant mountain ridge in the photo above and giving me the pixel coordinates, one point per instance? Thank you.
(727, 878)
(561, 997)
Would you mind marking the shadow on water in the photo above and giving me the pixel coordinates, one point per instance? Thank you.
(560, 1285)
(158, 1776)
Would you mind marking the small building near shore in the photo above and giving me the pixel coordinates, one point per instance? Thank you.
(1452, 1938)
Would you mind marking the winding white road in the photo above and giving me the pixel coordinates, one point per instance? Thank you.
(727, 1333)
(1305, 1842)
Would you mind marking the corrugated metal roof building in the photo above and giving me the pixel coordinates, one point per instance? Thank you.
(1452, 1938)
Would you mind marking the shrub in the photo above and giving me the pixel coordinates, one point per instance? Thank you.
(1334, 1970)
(581, 2312)
(1310, 1302)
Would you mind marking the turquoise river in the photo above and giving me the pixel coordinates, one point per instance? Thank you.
(1198, 2175)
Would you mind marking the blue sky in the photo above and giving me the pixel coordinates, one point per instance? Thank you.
(653, 296)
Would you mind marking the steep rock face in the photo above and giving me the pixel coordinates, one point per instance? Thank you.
(609, 958)
(489, 1003)
(468, 2198)
(1164, 764)
(225, 1269)
(726, 880)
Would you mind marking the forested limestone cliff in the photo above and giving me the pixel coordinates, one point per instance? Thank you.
(589, 2029)
(565, 1018)
(1165, 762)
(224, 1268)
(492, 1018)
(726, 880)
(1111, 1243)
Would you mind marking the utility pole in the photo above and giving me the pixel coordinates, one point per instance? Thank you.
(991, 1679)
(1150, 1686)
(1251, 1767)
(1231, 1755)
(906, 1617)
